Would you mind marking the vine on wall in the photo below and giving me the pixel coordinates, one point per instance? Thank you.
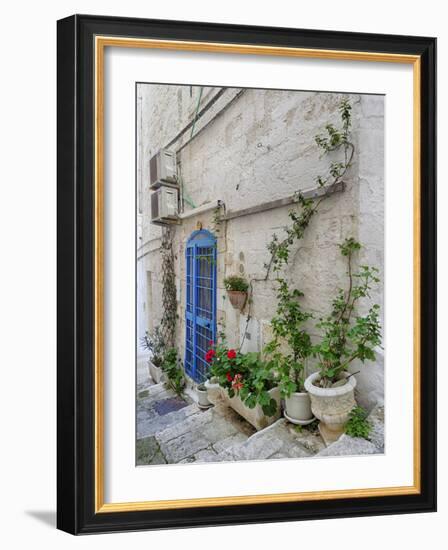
(169, 297)
(333, 140)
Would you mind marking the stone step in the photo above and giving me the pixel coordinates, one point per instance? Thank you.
(355, 446)
(201, 437)
(280, 440)
(158, 408)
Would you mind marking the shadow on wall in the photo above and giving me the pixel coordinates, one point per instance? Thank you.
(47, 517)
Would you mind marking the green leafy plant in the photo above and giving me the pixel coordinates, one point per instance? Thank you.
(235, 282)
(155, 343)
(347, 336)
(288, 328)
(243, 374)
(358, 425)
(172, 367)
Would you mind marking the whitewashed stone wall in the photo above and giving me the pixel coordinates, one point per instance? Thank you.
(251, 147)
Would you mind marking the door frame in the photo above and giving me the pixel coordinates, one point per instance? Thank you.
(198, 239)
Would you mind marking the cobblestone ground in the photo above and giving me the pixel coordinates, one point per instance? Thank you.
(172, 429)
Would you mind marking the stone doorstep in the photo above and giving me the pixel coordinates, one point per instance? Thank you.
(153, 424)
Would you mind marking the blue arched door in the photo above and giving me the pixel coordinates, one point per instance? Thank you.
(200, 310)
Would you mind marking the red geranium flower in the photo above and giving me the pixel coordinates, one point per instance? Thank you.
(231, 354)
(210, 355)
(237, 383)
(211, 343)
(229, 377)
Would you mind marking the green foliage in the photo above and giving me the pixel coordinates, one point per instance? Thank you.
(155, 343)
(334, 140)
(216, 220)
(358, 425)
(169, 292)
(346, 336)
(287, 326)
(243, 374)
(235, 282)
(172, 367)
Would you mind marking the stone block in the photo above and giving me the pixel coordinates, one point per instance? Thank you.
(349, 446)
(376, 419)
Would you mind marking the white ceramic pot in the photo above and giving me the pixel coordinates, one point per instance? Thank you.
(331, 406)
(214, 392)
(156, 373)
(255, 416)
(203, 401)
(298, 408)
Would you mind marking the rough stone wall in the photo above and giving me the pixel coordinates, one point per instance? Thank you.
(251, 147)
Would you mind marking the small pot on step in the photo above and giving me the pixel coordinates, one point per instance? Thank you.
(331, 406)
(298, 408)
(201, 392)
(156, 373)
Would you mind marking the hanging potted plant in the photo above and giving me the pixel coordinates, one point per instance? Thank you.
(236, 287)
(155, 344)
(287, 326)
(346, 337)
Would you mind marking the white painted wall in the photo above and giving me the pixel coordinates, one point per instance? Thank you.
(251, 147)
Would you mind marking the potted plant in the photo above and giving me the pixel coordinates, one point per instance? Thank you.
(346, 337)
(248, 385)
(236, 287)
(173, 371)
(155, 344)
(288, 329)
(201, 392)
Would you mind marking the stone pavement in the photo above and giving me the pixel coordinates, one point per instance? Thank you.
(172, 429)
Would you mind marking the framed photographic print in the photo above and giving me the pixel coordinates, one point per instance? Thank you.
(246, 274)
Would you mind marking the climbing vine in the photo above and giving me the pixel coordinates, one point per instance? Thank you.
(169, 298)
(334, 140)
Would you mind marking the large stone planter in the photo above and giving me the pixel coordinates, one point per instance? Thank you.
(298, 408)
(214, 393)
(156, 373)
(254, 416)
(331, 406)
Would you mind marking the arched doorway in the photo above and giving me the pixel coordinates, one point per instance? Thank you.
(200, 310)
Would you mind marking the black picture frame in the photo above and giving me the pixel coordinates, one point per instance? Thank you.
(76, 264)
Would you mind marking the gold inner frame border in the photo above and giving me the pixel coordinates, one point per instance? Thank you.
(100, 43)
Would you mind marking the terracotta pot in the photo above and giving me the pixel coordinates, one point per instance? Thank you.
(331, 406)
(298, 408)
(237, 298)
(156, 373)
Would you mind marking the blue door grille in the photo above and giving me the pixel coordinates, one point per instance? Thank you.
(200, 311)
